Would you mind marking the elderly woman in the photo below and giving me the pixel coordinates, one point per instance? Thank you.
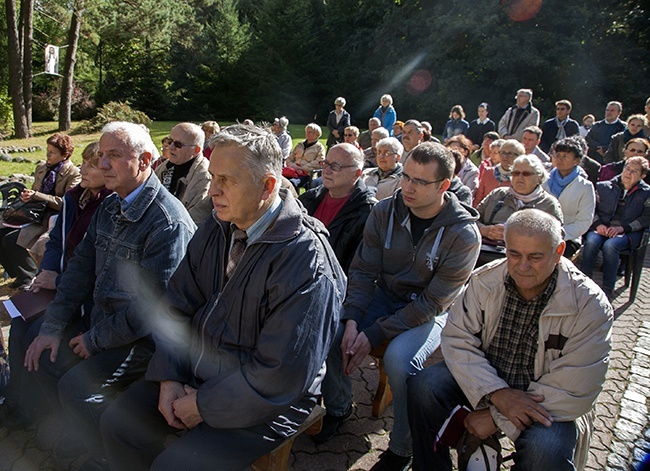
(526, 191)
(456, 124)
(622, 214)
(337, 121)
(385, 178)
(79, 205)
(569, 184)
(209, 128)
(351, 136)
(469, 172)
(386, 113)
(499, 175)
(284, 139)
(634, 129)
(637, 147)
(306, 157)
(51, 180)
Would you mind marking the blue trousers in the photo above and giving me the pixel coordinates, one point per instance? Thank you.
(433, 393)
(611, 247)
(404, 356)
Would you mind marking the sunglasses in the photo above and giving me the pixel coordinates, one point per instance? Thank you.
(525, 173)
(177, 144)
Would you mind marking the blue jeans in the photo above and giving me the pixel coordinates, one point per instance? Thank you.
(611, 248)
(432, 395)
(404, 357)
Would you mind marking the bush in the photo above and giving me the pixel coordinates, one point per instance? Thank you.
(112, 111)
(6, 115)
(46, 104)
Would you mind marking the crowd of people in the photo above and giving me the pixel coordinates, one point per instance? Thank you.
(225, 287)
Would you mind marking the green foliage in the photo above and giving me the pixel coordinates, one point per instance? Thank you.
(112, 111)
(6, 115)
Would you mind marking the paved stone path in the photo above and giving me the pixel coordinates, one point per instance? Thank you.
(620, 441)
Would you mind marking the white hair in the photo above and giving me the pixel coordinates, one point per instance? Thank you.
(133, 135)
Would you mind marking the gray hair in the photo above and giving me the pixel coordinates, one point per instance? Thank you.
(618, 104)
(393, 144)
(515, 145)
(315, 127)
(283, 122)
(383, 132)
(340, 101)
(497, 143)
(386, 97)
(375, 120)
(416, 123)
(532, 222)
(526, 91)
(263, 155)
(536, 165)
(133, 135)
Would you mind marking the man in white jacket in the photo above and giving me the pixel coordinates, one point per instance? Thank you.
(526, 347)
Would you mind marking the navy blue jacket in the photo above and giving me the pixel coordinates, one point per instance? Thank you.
(636, 210)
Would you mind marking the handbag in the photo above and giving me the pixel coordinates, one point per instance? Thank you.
(19, 213)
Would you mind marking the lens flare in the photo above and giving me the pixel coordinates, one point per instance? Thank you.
(521, 10)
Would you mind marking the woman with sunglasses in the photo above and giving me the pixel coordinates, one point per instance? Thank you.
(569, 184)
(527, 177)
(621, 217)
(637, 147)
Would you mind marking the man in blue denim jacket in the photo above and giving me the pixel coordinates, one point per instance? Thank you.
(133, 245)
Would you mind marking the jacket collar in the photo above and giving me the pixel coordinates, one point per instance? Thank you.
(137, 209)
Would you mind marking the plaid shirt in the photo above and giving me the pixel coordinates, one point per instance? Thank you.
(514, 346)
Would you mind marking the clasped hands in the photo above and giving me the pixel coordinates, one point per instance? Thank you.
(519, 407)
(177, 403)
(605, 231)
(355, 347)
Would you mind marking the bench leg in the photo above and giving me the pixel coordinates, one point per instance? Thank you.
(277, 460)
(383, 396)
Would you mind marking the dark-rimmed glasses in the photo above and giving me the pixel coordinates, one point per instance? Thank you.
(417, 181)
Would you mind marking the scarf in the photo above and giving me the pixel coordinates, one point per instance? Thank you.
(49, 180)
(501, 175)
(627, 135)
(523, 200)
(557, 184)
(307, 145)
(561, 132)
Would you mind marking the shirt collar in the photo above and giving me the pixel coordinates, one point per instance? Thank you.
(258, 228)
(544, 296)
(126, 202)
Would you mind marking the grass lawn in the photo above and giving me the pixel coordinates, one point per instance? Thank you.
(43, 130)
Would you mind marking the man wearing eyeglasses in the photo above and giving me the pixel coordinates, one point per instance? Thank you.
(343, 202)
(418, 250)
(559, 127)
(185, 174)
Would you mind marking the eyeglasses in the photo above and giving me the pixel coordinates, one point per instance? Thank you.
(507, 154)
(334, 166)
(387, 153)
(177, 144)
(525, 173)
(417, 181)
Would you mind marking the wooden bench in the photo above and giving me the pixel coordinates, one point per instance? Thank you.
(278, 459)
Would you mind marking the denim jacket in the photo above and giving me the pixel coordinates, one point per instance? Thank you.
(127, 258)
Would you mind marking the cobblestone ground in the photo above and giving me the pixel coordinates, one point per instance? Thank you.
(622, 429)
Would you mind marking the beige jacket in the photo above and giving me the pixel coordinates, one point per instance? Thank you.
(193, 188)
(308, 159)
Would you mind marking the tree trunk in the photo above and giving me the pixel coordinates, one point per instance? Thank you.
(65, 105)
(15, 56)
(27, 24)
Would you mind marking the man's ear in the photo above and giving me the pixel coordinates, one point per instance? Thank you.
(144, 160)
(445, 184)
(560, 248)
(269, 182)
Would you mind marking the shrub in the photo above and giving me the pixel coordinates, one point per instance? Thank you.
(46, 104)
(6, 115)
(112, 111)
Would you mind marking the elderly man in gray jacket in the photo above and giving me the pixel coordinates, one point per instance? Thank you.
(252, 310)
(526, 346)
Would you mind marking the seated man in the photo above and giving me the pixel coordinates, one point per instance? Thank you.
(366, 136)
(132, 246)
(418, 250)
(526, 346)
(531, 139)
(185, 174)
(343, 202)
(252, 311)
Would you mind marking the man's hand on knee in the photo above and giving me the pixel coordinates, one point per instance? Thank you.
(170, 391)
(480, 423)
(40, 344)
(186, 408)
(521, 408)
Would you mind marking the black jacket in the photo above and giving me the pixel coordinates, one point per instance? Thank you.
(346, 230)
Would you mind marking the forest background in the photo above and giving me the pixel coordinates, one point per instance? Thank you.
(258, 59)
